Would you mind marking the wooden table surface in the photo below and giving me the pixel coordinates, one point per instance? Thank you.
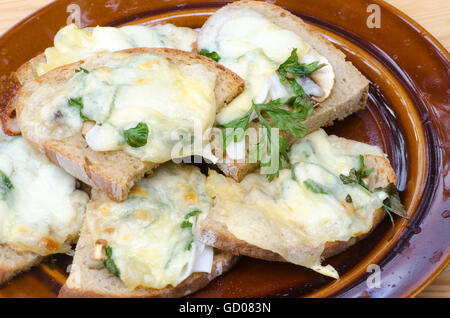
(433, 15)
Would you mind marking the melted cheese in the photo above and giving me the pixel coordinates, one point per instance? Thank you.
(148, 243)
(72, 44)
(43, 213)
(286, 217)
(171, 99)
(253, 47)
(175, 101)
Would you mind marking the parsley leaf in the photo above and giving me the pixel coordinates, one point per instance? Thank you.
(315, 187)
(193, 213)
(212, 55)
(301, 101)
(392, 203)
(109, 263)
(235, 129)
(136, 137)
(357, 176)
(82, 70)
(5, 185)
(282, 119)
(283, 146)
(186, 224)
(291, 66)
(78, 103)
(189, 243)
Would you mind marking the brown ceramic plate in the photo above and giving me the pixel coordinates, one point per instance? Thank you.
(407, 115)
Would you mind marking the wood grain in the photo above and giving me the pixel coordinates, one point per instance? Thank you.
(433, 15)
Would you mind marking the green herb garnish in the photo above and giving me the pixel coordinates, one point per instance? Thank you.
(189, 243)
(136, 137)
(357, 176)
(186, 224)
(82, 70)
(290, 69)
(193, 213)
(282, 119)
(392, 203)
(78, 103)
(212, 55)
(109, 263)
(291, 66)
(315, 187)
(5, 185)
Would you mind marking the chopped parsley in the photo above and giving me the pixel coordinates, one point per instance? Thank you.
(315, 187)
(78, 103)
(136, 137)
(186, 224)
(82, 70)
(189, 243)
(193, 213)
(391, 204)
(109, 263)
(356, 176)
(291, 66)
(281, 118)
(212, 55)
(5, 185)
(290, 69)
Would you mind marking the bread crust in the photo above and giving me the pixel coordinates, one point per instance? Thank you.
(94, 281)
(13, 262)
(223, 262)
(336, 107)
(88, 165)
(217, 234)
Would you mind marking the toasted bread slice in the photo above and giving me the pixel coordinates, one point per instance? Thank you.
(20, 249)
(13, 262)
(114, 172)
(88, 280)
(152, 230)
(349, 93)
(26, 72)
(214, 230)
(179, 37)
(20, 253)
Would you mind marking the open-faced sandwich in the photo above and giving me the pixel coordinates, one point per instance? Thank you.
(113, 117)
(72, 44)
(41, 209)
(146, 246)
(335, 193)
(285, 64)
